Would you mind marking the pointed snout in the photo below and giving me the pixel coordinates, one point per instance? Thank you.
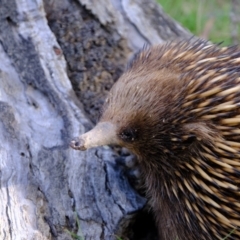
(104, 133)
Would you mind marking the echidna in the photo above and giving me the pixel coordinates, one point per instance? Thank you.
(177, 108)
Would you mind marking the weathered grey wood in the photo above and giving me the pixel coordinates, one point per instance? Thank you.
(140, 22)
(44, 183)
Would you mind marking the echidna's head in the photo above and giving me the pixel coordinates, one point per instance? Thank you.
(143, 111)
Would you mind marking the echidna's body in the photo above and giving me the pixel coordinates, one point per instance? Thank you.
(177, 109)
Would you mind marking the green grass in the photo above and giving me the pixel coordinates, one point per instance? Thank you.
(74, 235)
(118, 238)
(198, 15)
(226, 237)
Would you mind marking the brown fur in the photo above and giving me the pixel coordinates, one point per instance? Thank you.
(177, 109)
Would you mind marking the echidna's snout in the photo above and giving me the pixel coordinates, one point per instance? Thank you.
(78, 143)
(104, 133)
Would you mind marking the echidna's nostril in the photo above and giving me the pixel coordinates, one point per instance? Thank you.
(78, 144)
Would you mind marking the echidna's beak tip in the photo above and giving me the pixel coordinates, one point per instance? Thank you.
(78, 144)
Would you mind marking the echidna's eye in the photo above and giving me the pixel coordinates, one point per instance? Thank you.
(128, 135)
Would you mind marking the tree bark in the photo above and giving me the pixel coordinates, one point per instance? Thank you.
(58, 61)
